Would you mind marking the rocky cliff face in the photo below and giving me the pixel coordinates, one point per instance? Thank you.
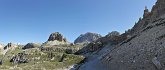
(87, 38)
(143, 52)
(149, 17)
(142, 47)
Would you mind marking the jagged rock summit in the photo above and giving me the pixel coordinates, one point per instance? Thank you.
(87, 38)
(56, 38)
(149, 16)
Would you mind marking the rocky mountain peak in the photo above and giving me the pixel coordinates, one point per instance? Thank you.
(87, 38)
(158, 8)
(57, 36)
(156, 11)
(146, 12)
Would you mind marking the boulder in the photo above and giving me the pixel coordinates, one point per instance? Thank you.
(19, 58)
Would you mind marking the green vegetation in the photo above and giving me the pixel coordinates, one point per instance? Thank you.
(39, 60)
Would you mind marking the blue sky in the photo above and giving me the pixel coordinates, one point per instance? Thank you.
(23, 21)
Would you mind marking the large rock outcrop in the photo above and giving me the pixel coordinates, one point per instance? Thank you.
(56, 38)
(87, 38)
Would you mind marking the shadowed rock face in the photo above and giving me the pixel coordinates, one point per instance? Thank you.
(158, 9)
(10, 45)
(56, 36)
(87, 38)
(31, 45)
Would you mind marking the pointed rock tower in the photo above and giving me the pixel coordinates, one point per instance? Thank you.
(146, 12)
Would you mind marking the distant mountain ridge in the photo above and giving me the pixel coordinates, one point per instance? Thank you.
(87, 38)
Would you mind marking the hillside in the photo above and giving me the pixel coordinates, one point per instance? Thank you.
(57, 55)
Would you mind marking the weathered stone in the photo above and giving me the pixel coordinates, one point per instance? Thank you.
(19, 58)
(156, 62)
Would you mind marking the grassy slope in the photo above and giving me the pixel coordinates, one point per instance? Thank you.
(39, 60)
